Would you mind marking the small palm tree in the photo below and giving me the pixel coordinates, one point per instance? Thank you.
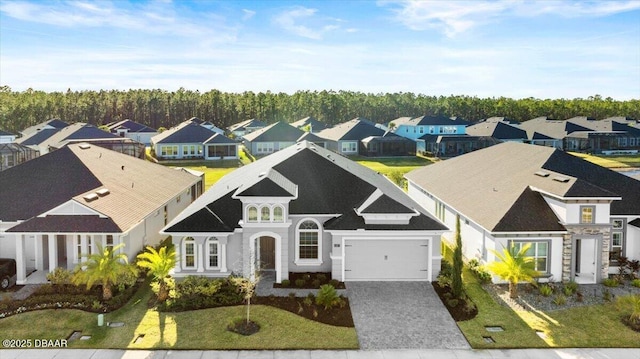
(103, 267)
(514, 267)
(159, 263)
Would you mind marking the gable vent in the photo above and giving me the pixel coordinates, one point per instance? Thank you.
(561, 179)
(103, 192)
(542, 174)
(90, 197)
(84, 146)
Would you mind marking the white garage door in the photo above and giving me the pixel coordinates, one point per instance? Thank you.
(386, 259)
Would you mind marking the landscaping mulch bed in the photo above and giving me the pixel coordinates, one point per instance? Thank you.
(460, 312)
(339, 317)
(313, 280)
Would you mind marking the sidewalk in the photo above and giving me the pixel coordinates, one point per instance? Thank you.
(321, 354)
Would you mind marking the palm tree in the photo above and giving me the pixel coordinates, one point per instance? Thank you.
(159, 263)
(514, 267)
(104, 267)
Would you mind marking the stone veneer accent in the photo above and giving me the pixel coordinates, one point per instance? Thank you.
(575, 231)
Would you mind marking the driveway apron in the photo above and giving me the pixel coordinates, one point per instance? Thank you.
(402, 315)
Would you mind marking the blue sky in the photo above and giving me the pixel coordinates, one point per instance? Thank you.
(518, 49)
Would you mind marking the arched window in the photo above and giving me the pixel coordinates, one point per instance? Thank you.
(278, 214)
(189, 253)
(265, 214)
(308, 240)
(252, 214)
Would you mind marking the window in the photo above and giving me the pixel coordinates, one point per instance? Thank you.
(349, 147)
(89, 245)
(191, 150)
(616, 249)
(308, 240)
(264, 147)
(278, 214)
(421, 129)
(252, 214)
(265, 214)
(539, 251)
(78, 249)
(189, 253)
(213, 253)
(632, 142)
(166, 215)
(169, 150)
(109, 242)
(622, 141)
(587, 214)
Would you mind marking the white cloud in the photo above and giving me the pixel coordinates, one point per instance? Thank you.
(290, 21)
(248, 14)
(455, 17)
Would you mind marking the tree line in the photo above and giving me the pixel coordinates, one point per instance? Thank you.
(160, 108)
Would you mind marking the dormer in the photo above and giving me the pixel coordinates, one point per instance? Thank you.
(382, 209)
(266, 200)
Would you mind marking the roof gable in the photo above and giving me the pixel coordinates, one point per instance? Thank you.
(277, 132)
(354, 130)
(186, 132)
(529, 213)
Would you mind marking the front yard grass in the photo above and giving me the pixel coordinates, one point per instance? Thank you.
(591, 326)
(389, 164)
(200, 329)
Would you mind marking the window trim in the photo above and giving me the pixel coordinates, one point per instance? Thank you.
(273, 216)
(262, 214)
(512, 242)
(185, 241)
(593, 214)
(308, 261)
(209, 242)
(623, 238)
(249, 208)
(349, 146)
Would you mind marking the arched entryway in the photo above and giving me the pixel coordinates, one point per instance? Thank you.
(265, 253)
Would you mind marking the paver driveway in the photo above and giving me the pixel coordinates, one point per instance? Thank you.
(402, 315)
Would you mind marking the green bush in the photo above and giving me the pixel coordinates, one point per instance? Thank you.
(334, 283)
(453, 302)
(545, 290)
(60, 276)
(315, 283)
(636, 283)
(570, 288)
(285, 283)
(610, 282)
(328, 297)
(560, 299)
(321, 277)
(300, 282)
(307, 301)
(479, 271)
(306, 277)
(200, 292)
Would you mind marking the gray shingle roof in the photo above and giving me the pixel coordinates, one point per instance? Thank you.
(316, 125)
(186, 132)
(499, 130)
(354, 130)
(277, 132)
(246, 124)
(327, 184)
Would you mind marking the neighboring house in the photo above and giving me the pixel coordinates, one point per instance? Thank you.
(35, 135)
(453, 145)
(313, 138)
(7, 137)
(190, 140)
(389, 144)
(272, 138)
(501, 130)
(346, 138)
(133, 130)
(53, 124)
(578, 217)
(584, 134)
(307, 209)
(311, 123)
(414, 128)
(13, 154)
(245, 127)
(207, 124)
(83, 132)
(60, 206)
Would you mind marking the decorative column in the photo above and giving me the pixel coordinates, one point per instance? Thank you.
(223, 255)
(567, 257)
(53, 252)
(199, 251)
(21, 270)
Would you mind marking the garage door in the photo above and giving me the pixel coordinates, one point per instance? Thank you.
(386, 260)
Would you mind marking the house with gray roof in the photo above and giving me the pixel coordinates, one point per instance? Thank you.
(366, 138)
(312, 123)
(307, 209)
(133, 130)
(579, 218)
(191, 140)
(58, 207)
(499, 129)
(245, 127)
(272, 138)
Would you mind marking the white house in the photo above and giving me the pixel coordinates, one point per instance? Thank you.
(58, 207)
(133, 130)
(579, 217)
(307, 209)
(191, 140)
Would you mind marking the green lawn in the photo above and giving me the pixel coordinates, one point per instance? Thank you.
(584, 327)
(389, 164)
(611, 161)
(201, 329)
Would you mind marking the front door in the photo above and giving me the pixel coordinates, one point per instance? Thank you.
(267, 256)
(61, 242)
(586, 260)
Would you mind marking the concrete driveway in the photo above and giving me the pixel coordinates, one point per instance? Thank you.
(402, 315)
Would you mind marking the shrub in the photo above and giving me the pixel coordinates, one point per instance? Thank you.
(334, 283)
(469, 306)
(570, 288)
(606, 295)
(321, 277)
(630, 305)
(307, 301)
(453, 302)
(560, 299)
(199, 292)
(292, 295)
(60, 276)
(545, 290)
(285, 283)
(636, 283)
(328, 297)
(315, 283)
(300, 282)
(306, 277)
(610, 282)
